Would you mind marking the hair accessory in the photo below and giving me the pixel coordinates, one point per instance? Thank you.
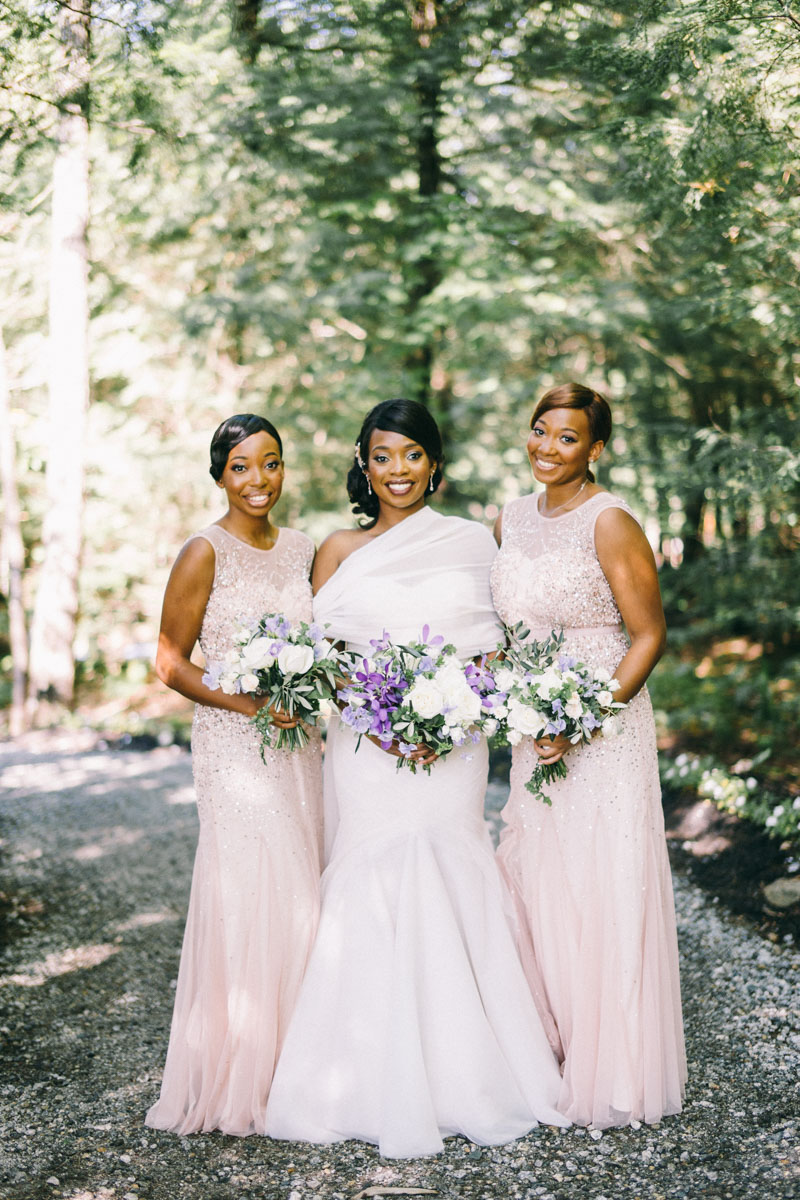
(359, 459)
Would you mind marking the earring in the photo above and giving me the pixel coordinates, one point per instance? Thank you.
(430, 481)
(369, 485)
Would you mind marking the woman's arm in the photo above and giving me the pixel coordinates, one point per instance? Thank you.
(629, 566)
(185, 600)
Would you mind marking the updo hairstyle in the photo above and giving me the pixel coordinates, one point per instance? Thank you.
(408, 418)
(575, 395)
(234, 430)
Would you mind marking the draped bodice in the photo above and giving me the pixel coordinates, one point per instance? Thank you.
(428, 570)
(249, 582)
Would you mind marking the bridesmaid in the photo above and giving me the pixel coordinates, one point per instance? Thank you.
(255, 891)
(590, 874)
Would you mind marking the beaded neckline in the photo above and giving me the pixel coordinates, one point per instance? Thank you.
(571, 512)
(258, 549)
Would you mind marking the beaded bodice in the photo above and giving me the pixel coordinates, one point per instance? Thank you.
(249, 582)
(547, 573)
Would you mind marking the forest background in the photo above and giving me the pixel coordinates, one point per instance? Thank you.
(301, 208)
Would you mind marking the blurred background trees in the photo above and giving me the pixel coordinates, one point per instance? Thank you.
(301, 208)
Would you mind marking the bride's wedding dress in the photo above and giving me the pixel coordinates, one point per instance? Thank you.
(414, 1020)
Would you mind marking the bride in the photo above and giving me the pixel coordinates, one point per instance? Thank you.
(414, 1020)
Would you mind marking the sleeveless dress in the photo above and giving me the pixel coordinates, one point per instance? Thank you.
(255, 890)
(414, 1020)
(590, 874)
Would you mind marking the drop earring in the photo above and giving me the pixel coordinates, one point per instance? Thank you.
(369, 485)
(430, 481)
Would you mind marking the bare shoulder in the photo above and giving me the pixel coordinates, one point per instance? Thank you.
(336, 547)
(196, 557)
(617, 534)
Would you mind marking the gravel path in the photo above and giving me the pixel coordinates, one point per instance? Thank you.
(96, 857)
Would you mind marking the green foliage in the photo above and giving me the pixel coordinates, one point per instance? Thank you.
(739, 794)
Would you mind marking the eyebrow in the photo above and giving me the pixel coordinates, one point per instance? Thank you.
(408, 446)
(566, 429)
(243, 457)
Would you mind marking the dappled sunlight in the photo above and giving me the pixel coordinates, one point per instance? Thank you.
(107, 842)
(144, 921)
(61, 962)
(182, 795)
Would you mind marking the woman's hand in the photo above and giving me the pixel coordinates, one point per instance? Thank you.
(551, 749)
(277, 716)
(423, 756)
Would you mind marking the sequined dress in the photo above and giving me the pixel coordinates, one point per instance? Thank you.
(590, 874)
(255, 889)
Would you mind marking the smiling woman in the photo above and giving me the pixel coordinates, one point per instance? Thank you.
(254, 901)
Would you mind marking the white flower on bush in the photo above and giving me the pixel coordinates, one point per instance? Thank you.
(504, 679)
(425, 698)
(295, 660)
(778, 810)
(771, 822)
(605, 698)
(524, 720)
(257, 655)
(573, 708)
(249, 683)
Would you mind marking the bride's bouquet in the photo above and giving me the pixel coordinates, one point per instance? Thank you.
(294, 666)
(549, 692)
(419, 694)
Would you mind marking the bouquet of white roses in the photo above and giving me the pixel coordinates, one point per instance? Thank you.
(417, 695)
(549, 692)
(295, 667)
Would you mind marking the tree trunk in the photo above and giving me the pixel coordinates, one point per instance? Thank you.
(427, 270)
(13, 556)
(52, 665)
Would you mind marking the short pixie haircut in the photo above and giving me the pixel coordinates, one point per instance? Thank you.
(234, 430)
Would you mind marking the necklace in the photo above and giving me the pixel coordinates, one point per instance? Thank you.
(551, 511)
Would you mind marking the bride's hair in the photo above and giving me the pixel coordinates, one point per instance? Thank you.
(407, 417)
(231, 432)
(575, 395)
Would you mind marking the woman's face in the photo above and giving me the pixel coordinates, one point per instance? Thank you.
(253, 475)
(398, 469)
(560, 446)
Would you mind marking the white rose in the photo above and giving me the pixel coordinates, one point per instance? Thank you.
(490, 727)
(514, 737)
(425, 698)
(257, 655)
(613, 685)
(324, 648)
(525, 720)
(295, 660)
(605, 698)
(573, 708)
(504, 679)
(500, 711)
(611, 727)
(249, 683)
(550, 681)
(602, 675)
(466, 709)
(228, 684)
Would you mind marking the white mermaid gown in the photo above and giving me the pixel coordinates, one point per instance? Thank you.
(414, 1020)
